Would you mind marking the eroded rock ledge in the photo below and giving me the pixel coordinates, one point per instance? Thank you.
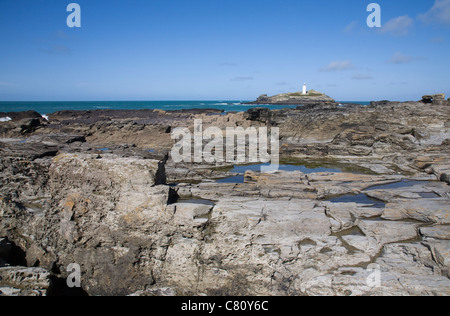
(93, 189)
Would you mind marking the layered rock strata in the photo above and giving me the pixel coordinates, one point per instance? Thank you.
(99, 189)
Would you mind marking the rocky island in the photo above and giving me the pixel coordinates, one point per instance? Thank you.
(361, 189)
(310, 97)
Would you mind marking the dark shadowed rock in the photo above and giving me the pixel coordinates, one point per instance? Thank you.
(427, 99)
(318, 106)
(258, 114)
(435, 99)
(28, 150)
(5, 251)
(380, 103)
(18, 116)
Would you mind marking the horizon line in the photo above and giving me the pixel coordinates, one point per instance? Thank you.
(172, 100)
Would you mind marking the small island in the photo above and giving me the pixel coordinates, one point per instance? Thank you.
(311, 97)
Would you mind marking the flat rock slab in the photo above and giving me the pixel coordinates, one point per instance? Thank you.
(441, 253)
(189, 213)
(424, 210)
(438, 232)
(275, 219)
(344, 215)
(385, 232)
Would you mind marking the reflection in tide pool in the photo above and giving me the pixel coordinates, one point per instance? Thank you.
(359, 199)
(241, 170)
(405, 183)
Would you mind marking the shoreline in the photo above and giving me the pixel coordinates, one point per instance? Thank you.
(227, 105)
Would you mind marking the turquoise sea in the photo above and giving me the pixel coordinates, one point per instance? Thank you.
(54, 106)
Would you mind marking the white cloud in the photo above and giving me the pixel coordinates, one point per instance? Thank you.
(361, 77)
(6, 84)
(239, 78)
(399, 58)
(403, 83)
(351, 27)
(399, 26)
(57, 50)
(61, 35)
(227, 64)
(440, 12)
(339, 65)
(437, 40)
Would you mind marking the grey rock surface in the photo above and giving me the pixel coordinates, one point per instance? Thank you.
(92, 189)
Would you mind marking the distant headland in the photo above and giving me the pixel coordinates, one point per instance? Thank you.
(296, 98)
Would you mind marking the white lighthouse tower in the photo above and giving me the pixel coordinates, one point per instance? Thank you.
(304, 89)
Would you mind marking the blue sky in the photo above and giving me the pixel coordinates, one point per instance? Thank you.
(222, 49)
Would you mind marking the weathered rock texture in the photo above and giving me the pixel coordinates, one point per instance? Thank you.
(435, 99)
(297, 98)
(21, 281)
(91, 188)
(96, 212)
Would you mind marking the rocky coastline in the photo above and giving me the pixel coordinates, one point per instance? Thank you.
(364, 186)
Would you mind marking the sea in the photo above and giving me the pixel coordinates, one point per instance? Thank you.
(47, 108)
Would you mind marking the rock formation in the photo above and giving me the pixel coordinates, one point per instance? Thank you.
(98, 188)
(297, 98)
(436, 99)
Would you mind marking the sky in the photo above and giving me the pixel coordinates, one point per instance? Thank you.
(222, 49)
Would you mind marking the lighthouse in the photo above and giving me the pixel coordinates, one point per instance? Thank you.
(304, 89)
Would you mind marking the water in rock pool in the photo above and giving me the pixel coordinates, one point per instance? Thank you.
(284, 167)
(359, 199)
(196, 201)
(405, 183)
(364, 199)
